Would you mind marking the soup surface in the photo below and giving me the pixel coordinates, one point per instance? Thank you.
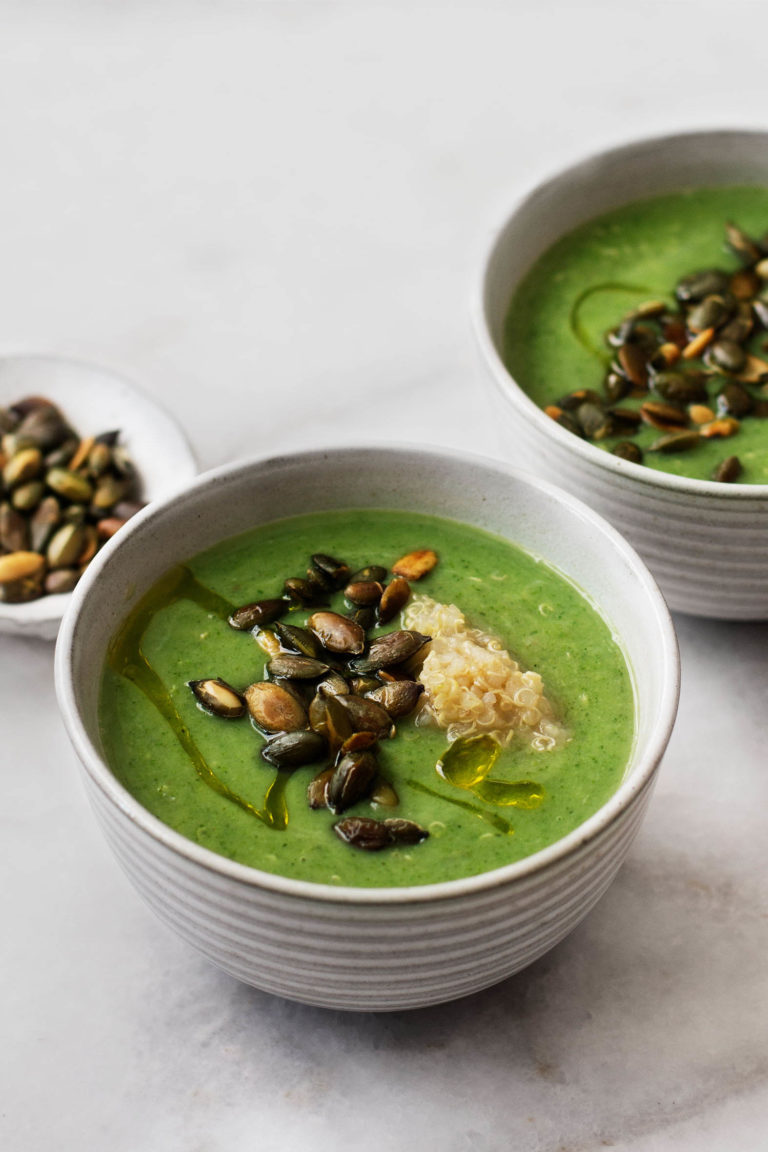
(173, 756)
(554, 339)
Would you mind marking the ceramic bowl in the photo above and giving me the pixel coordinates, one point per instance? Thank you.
(357, 948)
(94, 399)
(705, 542)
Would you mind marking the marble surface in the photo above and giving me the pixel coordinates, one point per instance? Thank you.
(270, 216)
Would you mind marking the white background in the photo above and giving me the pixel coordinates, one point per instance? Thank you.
(271, 215)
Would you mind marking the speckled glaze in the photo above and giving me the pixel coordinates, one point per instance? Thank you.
(371, 949)
(706, 543)
(94, 399)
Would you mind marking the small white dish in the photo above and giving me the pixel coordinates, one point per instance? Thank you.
(94, 399)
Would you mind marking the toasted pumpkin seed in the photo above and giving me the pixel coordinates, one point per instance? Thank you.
(745, 283)
(218, 698)
(697, 285)
(293, 667)
(710, 312)
(616, 387)
(336, 570)
(44, 519)
(363, 832)
(21, 576)
(366, 715)
(370, 572)
(294, 749)
(14, 530)
(394, 598)
(728, 470)
(65, 546)
(110, 490)
(734, 400)
(69, 485)
(742, 245)
(257, 614)
(337, 633)
(676, 442)
(405, 831)
(317, 789)
(727, 355)
(594, 420)
(301, 591)
(23, 466)
(352, 780)
(359, 742)
(46, 426)
(663, 416)
(388, 650)
(363, 593)
(633, 361)
(27, 496)
(628, 450)
(572, 400)
(274, 708)
(398, 698)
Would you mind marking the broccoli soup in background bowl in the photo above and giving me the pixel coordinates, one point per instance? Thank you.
(623, 312)
(369, 789)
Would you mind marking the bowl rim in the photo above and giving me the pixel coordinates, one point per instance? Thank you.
(29, 617)
(508, 386)
(100, 774)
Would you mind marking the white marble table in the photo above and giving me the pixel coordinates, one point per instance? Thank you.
(270, 215)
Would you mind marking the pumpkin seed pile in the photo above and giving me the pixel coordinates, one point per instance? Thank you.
(332, 692)
(61, 497)
(688, 364)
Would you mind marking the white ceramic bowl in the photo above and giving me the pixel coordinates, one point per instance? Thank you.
(93, 400)
(705, 542)
(359, 948)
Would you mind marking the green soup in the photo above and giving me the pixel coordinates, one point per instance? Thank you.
(583, 286)
(184, 765)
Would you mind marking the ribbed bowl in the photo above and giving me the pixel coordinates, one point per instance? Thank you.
(706, 543)
(357, 948)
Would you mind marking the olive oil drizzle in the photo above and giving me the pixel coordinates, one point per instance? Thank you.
(498, 822)
(467, 763)
(126, 658)
(577, 326)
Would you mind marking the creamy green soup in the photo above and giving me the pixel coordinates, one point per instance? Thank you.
(583, 286)
(204, 776)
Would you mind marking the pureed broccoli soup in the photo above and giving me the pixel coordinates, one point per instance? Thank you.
(266, 711)
(645, 331)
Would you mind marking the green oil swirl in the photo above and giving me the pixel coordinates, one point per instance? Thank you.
(579, 328)
(126, 658)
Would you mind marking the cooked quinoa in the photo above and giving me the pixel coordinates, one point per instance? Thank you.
(472, 686)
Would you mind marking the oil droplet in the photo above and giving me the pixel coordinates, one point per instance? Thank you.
(510, 794)
(468, 760)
